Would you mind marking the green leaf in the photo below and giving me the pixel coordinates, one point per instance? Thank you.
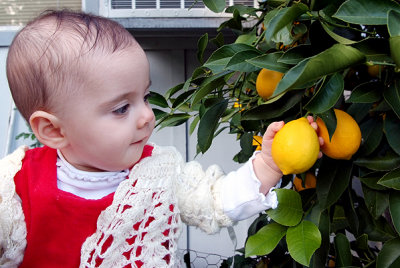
(216, 6)
(296, 54)
(158, 99)
(381, 163)
(238, 61)
(327, 95)
(174, 120)
(170, 92)
(340, 39)
(371, 181)
(393, 23)
(343, 251)
(392, 96)
(389, 256)
(159, 114)
(359, 110)
(376, 201)
(368, 92)
(371, 12)
(243, 10)
(372, 133)
(375, 49)
(362, 242)
(218, 40)
(247, 38)
(329, 118)
(201, 47)
(338, 56)
(377, 230)
(391, 127)
(350, 201)
(333, 179)
(269, 61)
(391, 179)
(394, 208)
(208, 125)
(302, 241)
(339, 220)
(184, 97)
(194, 124)
(324, 226)
(209, 84)
(283, 19)
(265, 240)
(289, 211)
(274, 109)
(394, 43)
(246, 144)
(219, 58)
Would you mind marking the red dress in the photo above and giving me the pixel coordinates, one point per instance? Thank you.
(57, 222)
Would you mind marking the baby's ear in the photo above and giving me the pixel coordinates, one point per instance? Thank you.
(47, 129)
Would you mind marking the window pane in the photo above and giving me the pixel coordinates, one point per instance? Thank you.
(190, 3)
(244, 2)
(121, 4)
(19, 12)
(170, 4)
(143, 4)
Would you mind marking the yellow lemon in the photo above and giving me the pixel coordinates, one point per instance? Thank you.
(310, 182)
(266, 82)
(295, 147)
(345, 140)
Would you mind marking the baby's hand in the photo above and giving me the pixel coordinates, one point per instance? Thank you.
(264, 165)
(269, 135)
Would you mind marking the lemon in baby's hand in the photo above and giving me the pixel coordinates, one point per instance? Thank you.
(295, 147)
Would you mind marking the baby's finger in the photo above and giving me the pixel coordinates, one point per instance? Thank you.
(312, 122)
(274, 127)
(321, 141)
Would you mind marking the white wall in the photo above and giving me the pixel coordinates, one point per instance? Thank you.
(5, 103)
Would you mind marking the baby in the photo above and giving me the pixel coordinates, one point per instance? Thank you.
(98, 194)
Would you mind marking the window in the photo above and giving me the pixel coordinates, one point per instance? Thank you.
(19, 12)
(152, 4)
(161, 8)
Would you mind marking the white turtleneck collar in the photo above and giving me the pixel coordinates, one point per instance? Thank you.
(89, 185)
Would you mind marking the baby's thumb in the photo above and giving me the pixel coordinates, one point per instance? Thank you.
(272, 129)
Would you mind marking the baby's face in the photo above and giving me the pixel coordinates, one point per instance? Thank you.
(109, 120)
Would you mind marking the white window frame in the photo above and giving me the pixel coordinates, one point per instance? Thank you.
(106, 11)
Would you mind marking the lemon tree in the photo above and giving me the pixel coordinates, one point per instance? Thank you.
(325, 50)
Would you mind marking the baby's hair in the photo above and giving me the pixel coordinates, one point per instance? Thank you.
(44, 57)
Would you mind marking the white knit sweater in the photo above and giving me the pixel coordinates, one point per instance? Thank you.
(160, 181)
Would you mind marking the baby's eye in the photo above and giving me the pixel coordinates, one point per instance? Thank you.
(121, 110)
(146, 97)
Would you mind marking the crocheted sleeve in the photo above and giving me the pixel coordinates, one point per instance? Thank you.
(12, 220)
(200, 196)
